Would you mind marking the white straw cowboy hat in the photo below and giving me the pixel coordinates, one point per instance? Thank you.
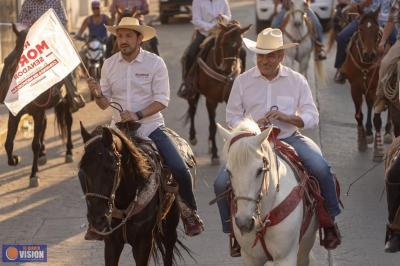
(268, 40)
(131, 23)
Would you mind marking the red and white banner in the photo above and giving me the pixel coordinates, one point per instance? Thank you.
(48, 57)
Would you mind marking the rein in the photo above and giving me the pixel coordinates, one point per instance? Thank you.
(290, 36)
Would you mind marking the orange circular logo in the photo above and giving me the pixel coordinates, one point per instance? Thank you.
(12, 253)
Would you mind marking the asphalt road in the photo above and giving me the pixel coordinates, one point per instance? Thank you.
(54, 213)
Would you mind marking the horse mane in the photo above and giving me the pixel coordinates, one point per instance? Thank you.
(10, 64)
(243, 150)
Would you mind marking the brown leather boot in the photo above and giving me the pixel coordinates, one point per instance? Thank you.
(234, 246)
(192, 223)
(90, 235)
(380, 104)
(332, 238)
(319, 51)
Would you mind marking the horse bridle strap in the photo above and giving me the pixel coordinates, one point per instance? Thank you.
(212, 73)
(242, 135)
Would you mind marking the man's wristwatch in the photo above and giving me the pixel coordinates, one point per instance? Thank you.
(139, 115)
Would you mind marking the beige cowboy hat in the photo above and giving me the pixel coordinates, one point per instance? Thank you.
(131, 23)
(268, 40)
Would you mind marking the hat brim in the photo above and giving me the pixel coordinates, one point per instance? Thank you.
(252, 46)
(147, 31)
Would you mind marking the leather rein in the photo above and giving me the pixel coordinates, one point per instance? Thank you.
(290, 36)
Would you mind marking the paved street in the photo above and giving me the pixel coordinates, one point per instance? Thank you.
(55, 213)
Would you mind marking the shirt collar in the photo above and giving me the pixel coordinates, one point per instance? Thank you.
(139, 57)
(283, 72)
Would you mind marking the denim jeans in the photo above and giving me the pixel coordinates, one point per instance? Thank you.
(277, 21)
(176, 164)
(343, 39)
(313, 161)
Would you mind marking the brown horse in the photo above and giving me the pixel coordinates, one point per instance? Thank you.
(391, 92)
(122, 179)
(50, 98)
(214, 77)
(361, 68)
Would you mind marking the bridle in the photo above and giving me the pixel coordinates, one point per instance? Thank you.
(111, 198)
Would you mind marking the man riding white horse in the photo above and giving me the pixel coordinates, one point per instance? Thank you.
(273, 93)
(319, 32)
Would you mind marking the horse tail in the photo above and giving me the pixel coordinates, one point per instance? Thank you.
(320, 71)
(332, 38)
(61, 113)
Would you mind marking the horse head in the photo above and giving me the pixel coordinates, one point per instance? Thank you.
(12, 60)
(106, 163)
(369, 35)
(249, 158)
(229, 43)
(298, 10)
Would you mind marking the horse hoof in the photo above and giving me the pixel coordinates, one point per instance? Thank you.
(34, 181)
(193, 141)
(388, 139)
(362, 147)
(69, 158)
(377, 158)
(370, 139)
(42, 160)
(215, 161)
(14, 161)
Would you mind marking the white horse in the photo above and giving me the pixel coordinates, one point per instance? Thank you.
(299, 29)
(260, 181)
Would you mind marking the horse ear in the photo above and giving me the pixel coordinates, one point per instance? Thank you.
(224, 132)
(377, 11)
(84, 133)
(107, 137)
(243, 30)
(263, 135)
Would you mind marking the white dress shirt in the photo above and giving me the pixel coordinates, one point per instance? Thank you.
(135, 85)
(253, 95)
(205, 13)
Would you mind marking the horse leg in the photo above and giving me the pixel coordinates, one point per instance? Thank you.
(387, 138)
(12, 127)
(357, 99)
(193, 101)
(378, 146)
(170, 236)
(42, 152)
(68, 121)
(368, 125)
(142, 250)
(395, 119)
(211, 107)
(303, 66)
(112, 251)
(38, 118)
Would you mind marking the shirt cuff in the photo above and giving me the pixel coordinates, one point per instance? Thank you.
(308, 120)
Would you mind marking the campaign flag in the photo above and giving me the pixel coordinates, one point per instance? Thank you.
(48, 57)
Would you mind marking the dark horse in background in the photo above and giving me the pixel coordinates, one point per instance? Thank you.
(213, 75)
(361, 68)
(111, 45)
(50, 98)
(116, 174)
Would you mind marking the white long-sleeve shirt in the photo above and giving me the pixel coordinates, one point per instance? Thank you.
(135, 85)
(205, 13)
(253, 95)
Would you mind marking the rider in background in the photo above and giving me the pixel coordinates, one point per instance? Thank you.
(389, 61)
(31, 10)
(343, 38)
(95, 23)
(140, 6)
(319, 31)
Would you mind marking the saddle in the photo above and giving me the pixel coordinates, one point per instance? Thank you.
(162, 180)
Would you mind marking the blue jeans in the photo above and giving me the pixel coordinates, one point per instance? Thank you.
(277, 21)
(176, 164)
(343, 39)
(312, 159)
